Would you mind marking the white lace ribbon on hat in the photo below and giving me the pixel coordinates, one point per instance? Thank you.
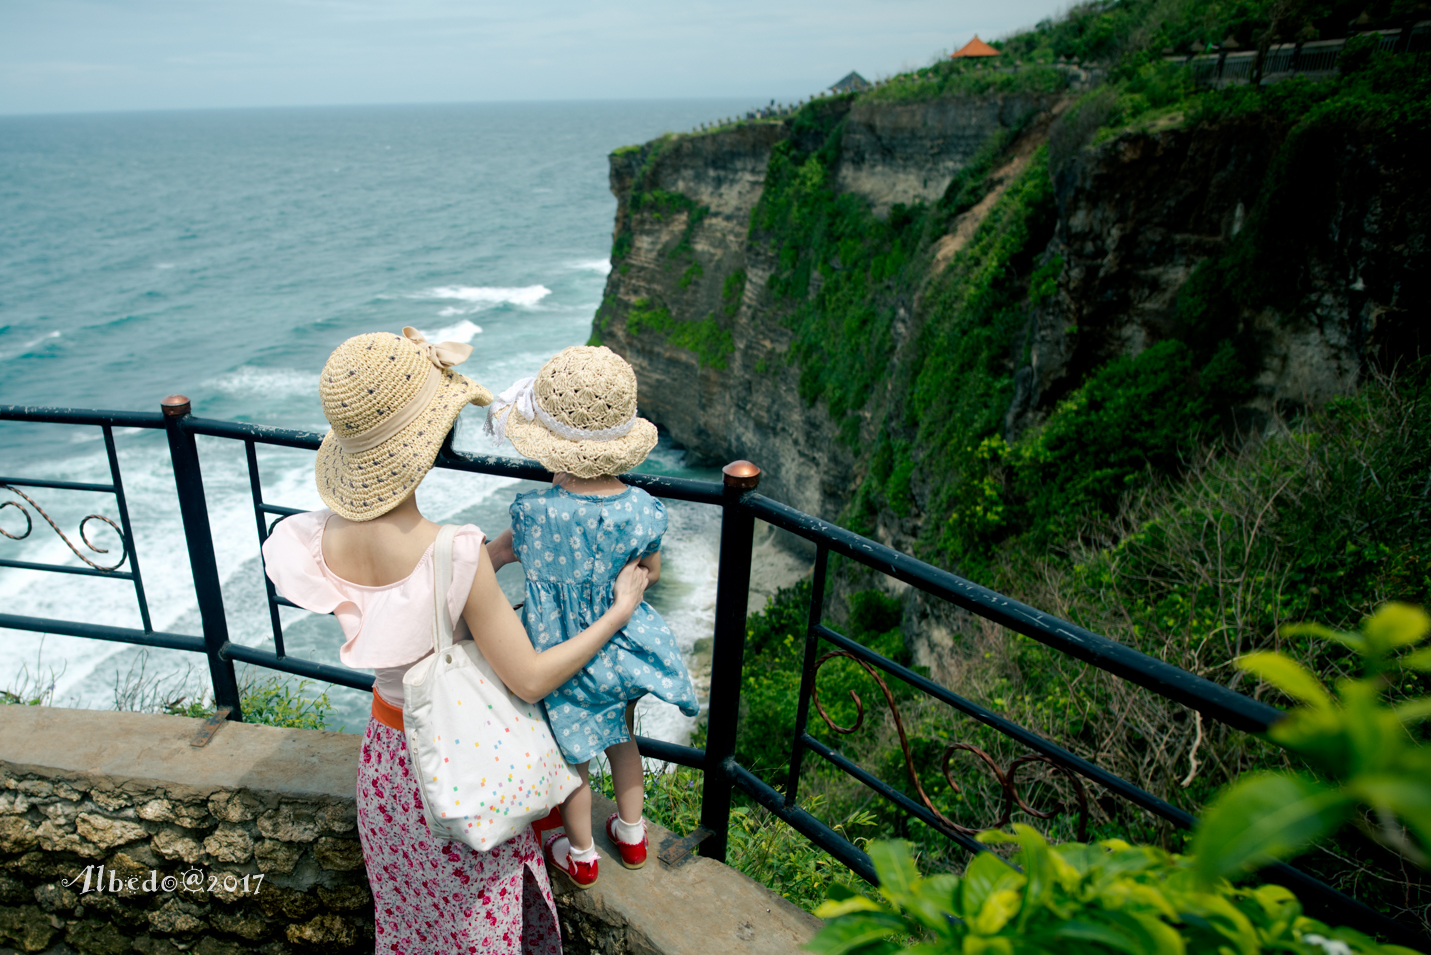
(521, 398)
(443, 355)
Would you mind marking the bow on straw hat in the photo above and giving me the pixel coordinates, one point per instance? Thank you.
(442, 355)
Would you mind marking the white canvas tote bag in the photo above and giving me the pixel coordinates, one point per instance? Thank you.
(486, 762)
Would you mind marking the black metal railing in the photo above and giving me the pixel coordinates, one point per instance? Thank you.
(741, 506)
(1316, 58)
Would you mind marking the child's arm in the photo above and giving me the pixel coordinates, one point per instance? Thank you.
(652, 563)
(500, 550)
(503, 640)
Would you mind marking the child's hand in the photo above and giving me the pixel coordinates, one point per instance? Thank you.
(500, 550)
(631, 587)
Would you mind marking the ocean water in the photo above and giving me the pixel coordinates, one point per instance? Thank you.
(223, 255)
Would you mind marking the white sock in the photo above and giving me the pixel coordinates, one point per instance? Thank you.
(629, 832)
(564, 846)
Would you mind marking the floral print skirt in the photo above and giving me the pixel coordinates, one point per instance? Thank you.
(433, 896)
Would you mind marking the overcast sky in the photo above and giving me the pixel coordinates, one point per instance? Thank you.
(96, 55)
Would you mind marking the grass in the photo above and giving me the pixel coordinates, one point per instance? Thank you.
(266, 698)
(1323, 520)
(961, 78)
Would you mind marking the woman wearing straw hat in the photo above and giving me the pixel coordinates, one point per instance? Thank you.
(578, 418)
(367, 559)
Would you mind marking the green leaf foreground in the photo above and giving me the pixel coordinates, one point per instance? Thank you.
(1102, 898)
(1112, 897)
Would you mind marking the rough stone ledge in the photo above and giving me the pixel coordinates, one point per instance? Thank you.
(698, 907)
(83, 788)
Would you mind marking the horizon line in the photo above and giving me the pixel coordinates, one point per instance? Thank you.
(379, 105)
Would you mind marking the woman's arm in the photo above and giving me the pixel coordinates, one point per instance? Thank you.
(500, 550)
(503, 640)
(653, 566)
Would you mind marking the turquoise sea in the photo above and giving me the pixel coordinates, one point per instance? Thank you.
(223, 254)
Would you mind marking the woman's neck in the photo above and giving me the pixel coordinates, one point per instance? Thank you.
(606, 484)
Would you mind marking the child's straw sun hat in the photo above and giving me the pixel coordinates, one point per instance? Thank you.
(578, 415)
(391, 399)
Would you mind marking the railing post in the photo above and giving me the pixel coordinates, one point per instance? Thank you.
(193, 508)
(728, 653)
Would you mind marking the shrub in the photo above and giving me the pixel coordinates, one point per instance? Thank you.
(1360, 749)
(1110, 897)
(1115, 897)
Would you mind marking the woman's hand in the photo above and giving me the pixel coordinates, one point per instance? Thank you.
(503, 641)
(630, 589)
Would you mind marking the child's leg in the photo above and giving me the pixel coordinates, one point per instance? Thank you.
(627, 776)
(576, 812)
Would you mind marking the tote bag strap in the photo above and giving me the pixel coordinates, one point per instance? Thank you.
(441, 583)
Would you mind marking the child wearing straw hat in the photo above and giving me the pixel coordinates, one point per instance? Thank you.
(578, 418)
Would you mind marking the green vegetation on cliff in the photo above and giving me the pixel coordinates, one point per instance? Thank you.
(1194, 571)
(1123, 508)
(708, 337)
(838, 267)
(1134, 501)
(943, 445)
(711, 343)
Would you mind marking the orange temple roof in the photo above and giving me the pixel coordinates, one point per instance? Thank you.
(975, 47)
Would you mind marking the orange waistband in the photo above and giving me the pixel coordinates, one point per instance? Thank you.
(386, 714)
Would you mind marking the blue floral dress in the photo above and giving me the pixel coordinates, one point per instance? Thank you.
(572, 547)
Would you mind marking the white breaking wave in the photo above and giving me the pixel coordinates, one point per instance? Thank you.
(464, 331)
(479, 297)
(594, 265)
(250, 382)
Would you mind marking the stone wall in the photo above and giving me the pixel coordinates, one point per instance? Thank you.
(126, 792)
(81, 789)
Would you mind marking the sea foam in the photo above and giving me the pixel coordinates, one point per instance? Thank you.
(478, 297)
(247, 381)
(464, 331)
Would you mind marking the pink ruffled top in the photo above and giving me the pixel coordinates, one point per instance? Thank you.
(388, 628)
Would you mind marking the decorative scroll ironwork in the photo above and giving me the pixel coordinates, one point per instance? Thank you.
(1007, 778)
(83, 533)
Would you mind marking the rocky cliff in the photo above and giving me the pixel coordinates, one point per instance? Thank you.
(1295, 268)
(1137, 216)
(683, 247)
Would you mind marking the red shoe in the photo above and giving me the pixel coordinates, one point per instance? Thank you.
(584, 874)
(552, 821)
(633, 854)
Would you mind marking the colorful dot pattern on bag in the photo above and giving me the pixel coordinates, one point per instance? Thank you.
(459, 803)
(502, 805)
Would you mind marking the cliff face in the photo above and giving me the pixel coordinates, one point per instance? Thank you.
(1134, 220)
(1137, 216)
(910, 152)
(746, 402)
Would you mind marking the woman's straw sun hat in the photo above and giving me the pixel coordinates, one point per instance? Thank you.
(391, 399)
(578, 415)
